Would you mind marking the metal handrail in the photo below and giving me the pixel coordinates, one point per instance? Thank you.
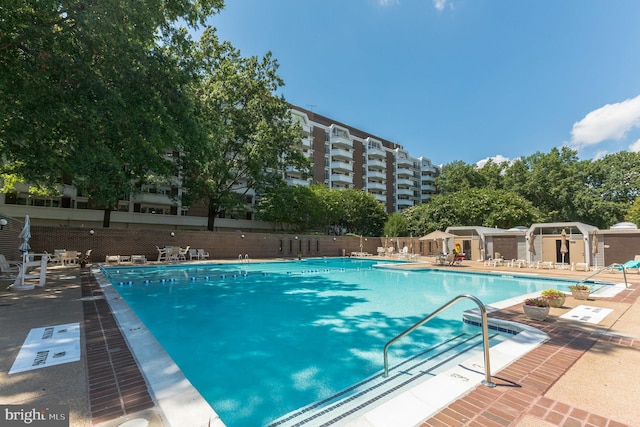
(610, 267)
(485, 336)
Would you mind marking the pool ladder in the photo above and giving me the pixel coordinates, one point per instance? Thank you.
(485, 335)
(610, 267)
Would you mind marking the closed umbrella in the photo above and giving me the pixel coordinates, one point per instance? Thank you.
(532, 248)
(594, 248)
(563, 244)
(25, 235)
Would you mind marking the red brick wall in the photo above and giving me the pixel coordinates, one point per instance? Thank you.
(220, 245)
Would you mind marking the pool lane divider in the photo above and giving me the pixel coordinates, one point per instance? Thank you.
(234, 276)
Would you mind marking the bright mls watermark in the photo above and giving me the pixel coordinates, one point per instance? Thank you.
(33, 415)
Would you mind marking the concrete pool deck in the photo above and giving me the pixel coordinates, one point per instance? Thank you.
(583, 375)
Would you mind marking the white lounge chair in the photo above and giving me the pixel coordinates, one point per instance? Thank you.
(112, 258)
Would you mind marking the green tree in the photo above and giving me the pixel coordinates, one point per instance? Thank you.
(250, 137)
(491, 174)
(92, 94)
(351, 211)
(479, 207)
(550, 181)
(295, 207)
(396, 225)
(633, 215)
(457, 176)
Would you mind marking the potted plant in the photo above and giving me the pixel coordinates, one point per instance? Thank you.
(536, 308)
(580, 291)
(554, 296)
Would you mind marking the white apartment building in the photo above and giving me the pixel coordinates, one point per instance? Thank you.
(346, 157)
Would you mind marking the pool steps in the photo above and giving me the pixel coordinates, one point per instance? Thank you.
(361, 397)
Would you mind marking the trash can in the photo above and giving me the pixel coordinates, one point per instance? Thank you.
(343, 252)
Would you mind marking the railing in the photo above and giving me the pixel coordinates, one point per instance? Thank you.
(485, 336)
(610, 267)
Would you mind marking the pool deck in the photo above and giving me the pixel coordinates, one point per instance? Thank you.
(584, 375)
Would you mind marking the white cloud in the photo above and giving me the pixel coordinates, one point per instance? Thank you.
(635, 147)
(440, 4)
(613, 121)
(600, 154)
(496, 159)
(388, 2)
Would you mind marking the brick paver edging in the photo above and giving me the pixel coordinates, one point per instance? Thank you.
(521, 386)
(116, 386)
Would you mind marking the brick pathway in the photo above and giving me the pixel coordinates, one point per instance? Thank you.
(522, 385)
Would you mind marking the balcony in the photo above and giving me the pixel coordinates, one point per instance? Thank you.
(152, 198)
(404, 171)
(404, 162)
(340, 141)
(306, 143)
(341, 166)
(405, 182)
(405, 192)
(297, 181)
(376, 152)
(338, 178)
(381, 164)
(341, 154)
(376, 174)
(376, 186)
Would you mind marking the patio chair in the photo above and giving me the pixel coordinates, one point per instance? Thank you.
(193, 254)
(163, 254)
(9, 268)
(182, 253)
(202, 254)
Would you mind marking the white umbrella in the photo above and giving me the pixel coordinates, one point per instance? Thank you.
(25, 235)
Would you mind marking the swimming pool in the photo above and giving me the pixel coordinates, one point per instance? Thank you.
(259, 340)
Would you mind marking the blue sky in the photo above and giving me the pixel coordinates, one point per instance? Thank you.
(457, 79)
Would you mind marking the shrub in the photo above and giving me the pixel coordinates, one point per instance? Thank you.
(537, 302)
(579, 288)
(552, 293)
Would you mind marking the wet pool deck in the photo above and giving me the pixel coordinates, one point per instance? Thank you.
(584, 375)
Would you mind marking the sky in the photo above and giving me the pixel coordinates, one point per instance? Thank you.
(457, 80)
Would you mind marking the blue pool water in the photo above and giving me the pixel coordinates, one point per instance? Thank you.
(259, 340)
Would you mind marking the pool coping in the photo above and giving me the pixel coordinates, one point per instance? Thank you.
(180, 402)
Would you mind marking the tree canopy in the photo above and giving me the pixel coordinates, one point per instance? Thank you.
(92, 93)
(249, 137)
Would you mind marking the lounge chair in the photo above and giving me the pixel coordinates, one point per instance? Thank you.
(630, 265)
(112, 258)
